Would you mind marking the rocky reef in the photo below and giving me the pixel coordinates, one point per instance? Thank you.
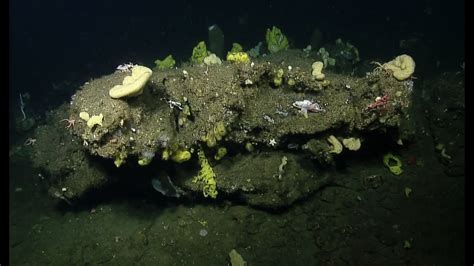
(283, 130)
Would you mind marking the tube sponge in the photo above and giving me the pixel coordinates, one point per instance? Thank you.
(317, 70)
(216, 40)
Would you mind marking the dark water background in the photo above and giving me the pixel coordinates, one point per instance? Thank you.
(62, 44)
(75, 41)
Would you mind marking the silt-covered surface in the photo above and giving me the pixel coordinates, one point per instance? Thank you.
(183, 108)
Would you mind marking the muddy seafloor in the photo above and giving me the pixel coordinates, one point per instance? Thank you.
(366, 217)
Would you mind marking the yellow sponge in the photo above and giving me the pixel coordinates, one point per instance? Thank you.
(402, 67)
(180, 156)
(238, 57)
(317, 70)
(132, 85)
(352, 144)
(336, 145)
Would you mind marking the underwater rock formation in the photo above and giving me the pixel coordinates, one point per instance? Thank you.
(206, 107)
